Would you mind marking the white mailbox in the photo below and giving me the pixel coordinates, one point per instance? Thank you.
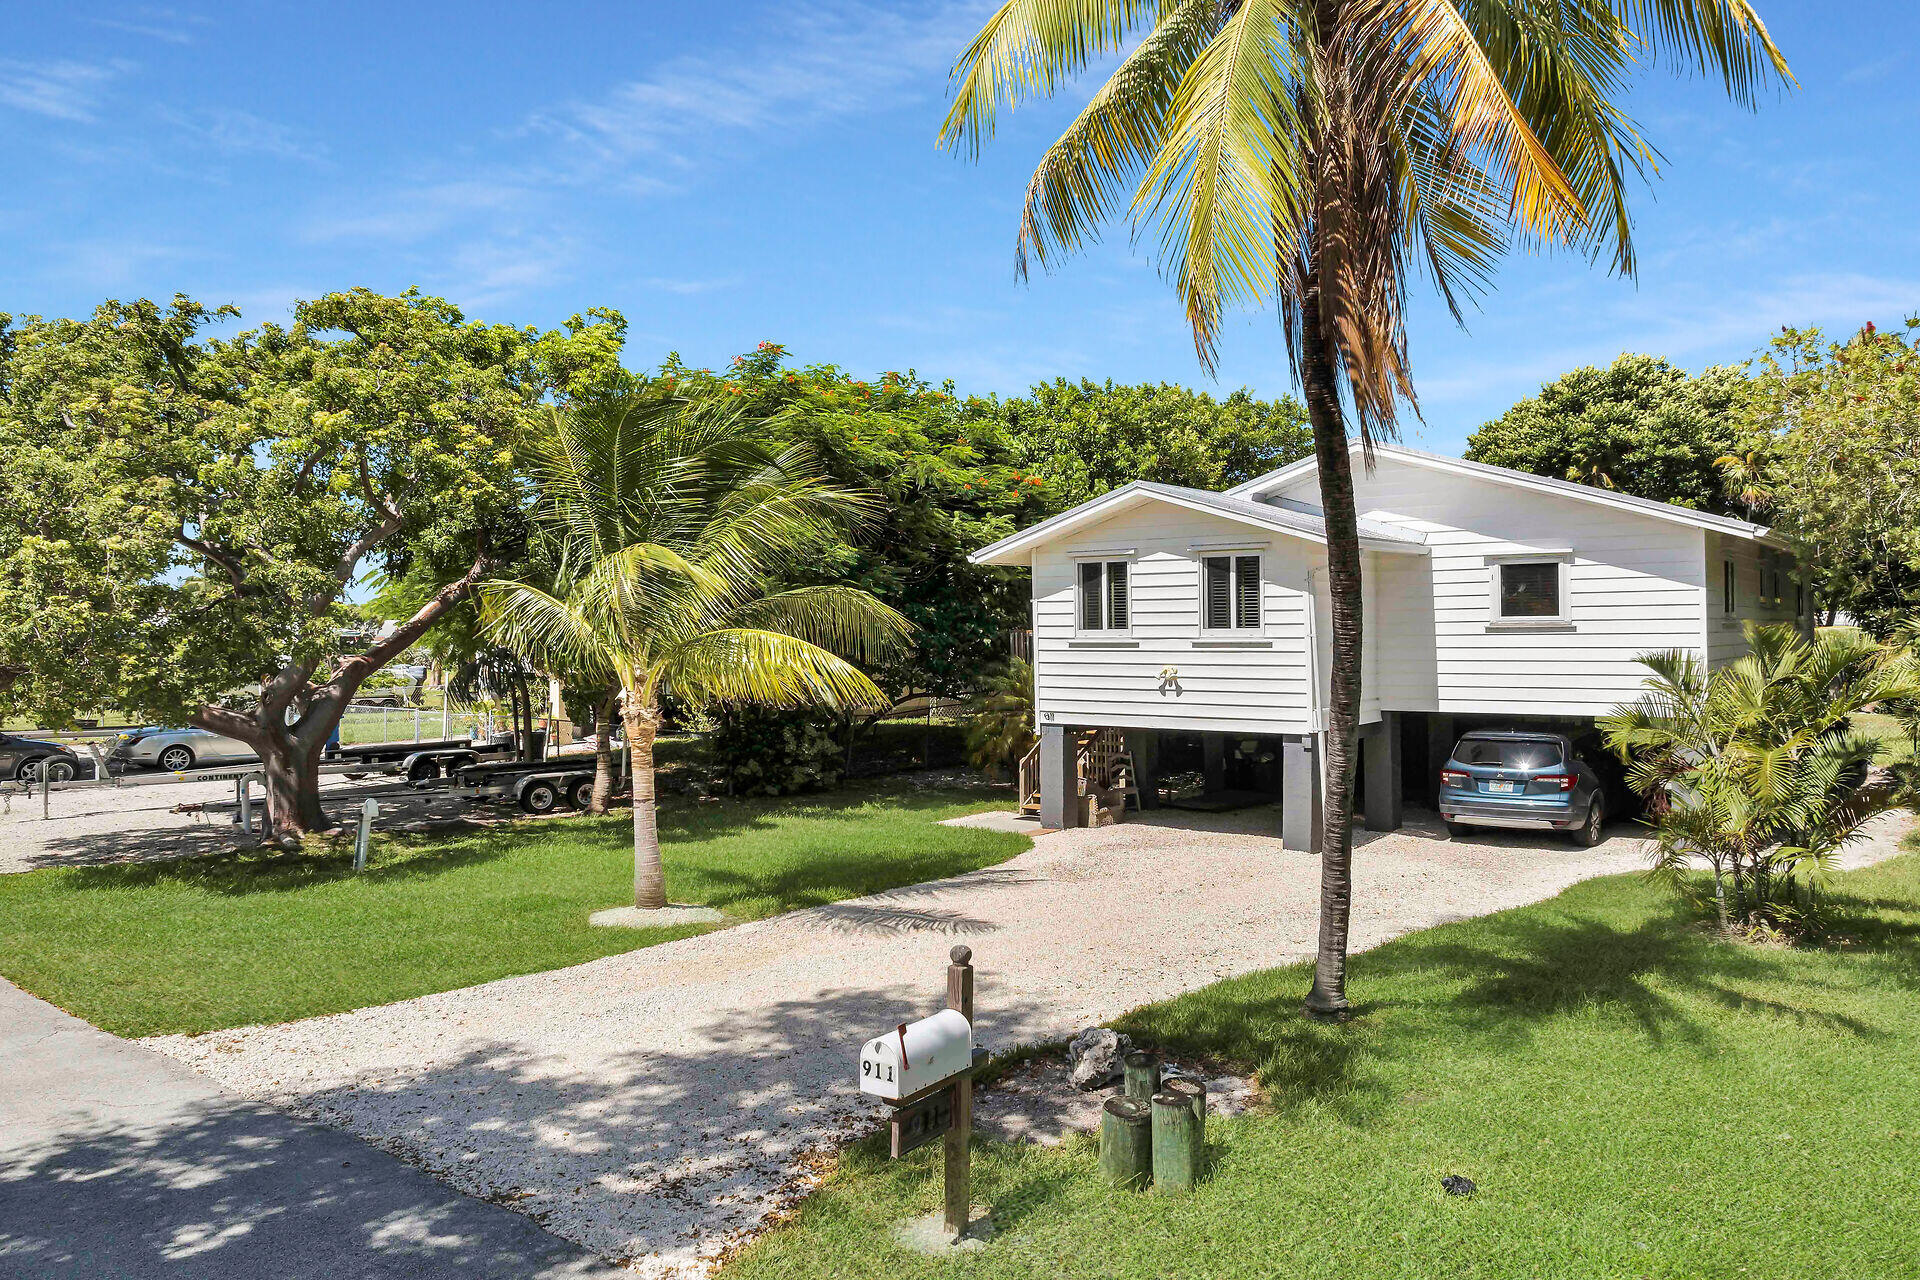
(916, 1054)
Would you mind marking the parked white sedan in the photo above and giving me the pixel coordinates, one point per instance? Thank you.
(177, 750)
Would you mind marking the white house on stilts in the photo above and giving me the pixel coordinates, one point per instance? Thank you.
(1195, 620)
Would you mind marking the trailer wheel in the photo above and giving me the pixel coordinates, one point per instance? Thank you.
(423, 771)
(540, 797)
(582, 794)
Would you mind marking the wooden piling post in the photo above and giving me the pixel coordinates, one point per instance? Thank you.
(959, 1179)
(1176, 1143)
(1195, 1091)
(1140, 1072)
(1126, 1142)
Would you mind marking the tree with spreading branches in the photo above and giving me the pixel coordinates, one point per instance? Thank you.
(183, 514)
(1314, 153)
(672, 523)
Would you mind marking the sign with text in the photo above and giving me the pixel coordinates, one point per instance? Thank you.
(918, 1123)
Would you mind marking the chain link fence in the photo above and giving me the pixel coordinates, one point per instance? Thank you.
(362, 725)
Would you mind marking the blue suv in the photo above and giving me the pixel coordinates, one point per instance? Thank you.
(1521, 778)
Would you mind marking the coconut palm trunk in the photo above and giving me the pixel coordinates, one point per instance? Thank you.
(649, 876)
(1328, 995)
(671, 523)
(603, 754)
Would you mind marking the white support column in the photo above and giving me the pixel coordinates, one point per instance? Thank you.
(1300, 792)
(1059, 778)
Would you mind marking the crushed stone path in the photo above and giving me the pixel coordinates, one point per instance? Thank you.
(656, 1106)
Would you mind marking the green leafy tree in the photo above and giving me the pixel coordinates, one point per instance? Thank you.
(949, 478)
(1086, 438)
(1833, 462)
(1755, 769)
(673, 523)
(181, 516)
(1312, 153)
(1640, 426)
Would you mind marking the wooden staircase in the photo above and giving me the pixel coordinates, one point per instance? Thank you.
(1102, 763)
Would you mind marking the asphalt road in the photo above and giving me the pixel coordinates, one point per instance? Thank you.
(118, 1162)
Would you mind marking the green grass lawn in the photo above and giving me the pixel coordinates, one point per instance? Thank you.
(1632, 1098)
(1884, 727)
(227, 940)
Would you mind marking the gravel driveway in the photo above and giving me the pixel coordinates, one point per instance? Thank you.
(654, 1105)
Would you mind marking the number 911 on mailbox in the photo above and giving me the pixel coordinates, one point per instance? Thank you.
(916, 1055)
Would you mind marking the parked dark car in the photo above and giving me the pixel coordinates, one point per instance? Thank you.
(25, 758)
(1525, 779)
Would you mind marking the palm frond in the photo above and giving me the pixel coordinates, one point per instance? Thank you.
(1029, 48)
(843, 620)
(1228, 187)
(545, 627)
(766, 668)
(1080, 182)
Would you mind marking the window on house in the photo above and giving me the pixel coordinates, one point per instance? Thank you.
(1230, 593)
(1104, 602)
(1530, 589)
(1726, 586)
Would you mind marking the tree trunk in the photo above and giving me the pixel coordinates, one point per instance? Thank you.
(649, 878)
(290, 754)
(1720, 898)
(603, 753)
(1328, 996)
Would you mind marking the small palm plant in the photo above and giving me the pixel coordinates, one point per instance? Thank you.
(1755, 770)
(1001, 728)
(672, 521)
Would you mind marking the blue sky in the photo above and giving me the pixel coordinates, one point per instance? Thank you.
(736, 172)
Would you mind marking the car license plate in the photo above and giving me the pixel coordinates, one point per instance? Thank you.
(1503, 788)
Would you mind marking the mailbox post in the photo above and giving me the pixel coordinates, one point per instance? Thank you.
(959, 1172)
(924, 1071)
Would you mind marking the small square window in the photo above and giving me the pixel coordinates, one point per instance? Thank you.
(1105, 604)
(1230, 593)
(1530, 589)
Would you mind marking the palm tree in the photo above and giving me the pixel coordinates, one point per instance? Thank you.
(671, 520)
(1310, 153)
(1000, 729)
(1755, 768)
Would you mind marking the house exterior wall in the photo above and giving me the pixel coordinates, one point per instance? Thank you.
(1754, 566)
(1259, 683)
(1633, 583)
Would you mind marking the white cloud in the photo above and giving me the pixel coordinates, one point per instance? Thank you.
(1868, 72)
(485, 273)
(169, 26)
(113, 264)
(819, 63)
(238, 132)
(415, 213)
(1691, 326)
(61, 89)
(688, 288)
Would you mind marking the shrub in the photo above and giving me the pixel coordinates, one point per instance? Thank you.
(758, 751)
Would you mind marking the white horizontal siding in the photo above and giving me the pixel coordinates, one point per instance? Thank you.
(1260, 687)
(1635, 584)
(1726, 636)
